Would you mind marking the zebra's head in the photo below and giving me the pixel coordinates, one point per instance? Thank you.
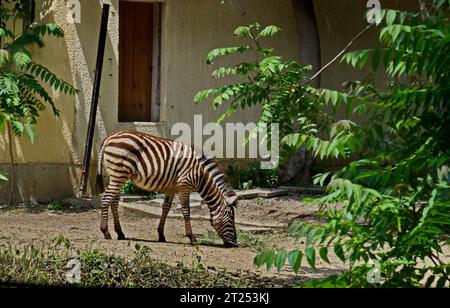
(224, 224)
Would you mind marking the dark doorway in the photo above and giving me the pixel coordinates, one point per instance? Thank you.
(136, 46)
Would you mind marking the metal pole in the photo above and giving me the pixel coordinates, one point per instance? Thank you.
(95, 95)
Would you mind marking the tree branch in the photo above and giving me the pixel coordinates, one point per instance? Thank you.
(339, 55)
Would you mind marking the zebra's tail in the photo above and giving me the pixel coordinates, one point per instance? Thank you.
(99, 180)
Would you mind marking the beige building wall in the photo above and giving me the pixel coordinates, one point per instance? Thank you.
(339, 22)
(50, 168)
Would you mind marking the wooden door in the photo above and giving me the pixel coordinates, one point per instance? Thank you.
(135, 61)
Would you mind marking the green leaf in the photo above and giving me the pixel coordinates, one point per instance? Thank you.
(202, 95)
(242, 32)
(311, 256)
(30, 132)
(3, 177)
(280, 260)
(310, 238)
(270, 259)
(18, 127)
(295, 260)
(22, 57)
(390, 17)
(220, 52)
(260, 259)
(376, 59)
(339, 251)
(269, 31)
(323, 252)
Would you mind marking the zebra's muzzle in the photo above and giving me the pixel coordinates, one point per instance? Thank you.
(230, 245)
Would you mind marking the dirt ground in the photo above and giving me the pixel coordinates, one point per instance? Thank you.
(39, 226)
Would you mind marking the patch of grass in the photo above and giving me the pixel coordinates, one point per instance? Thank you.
(259, 201)
(48, 267)
(245, 240)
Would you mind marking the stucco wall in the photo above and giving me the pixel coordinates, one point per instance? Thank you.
(339, 22)
(190, 29)
(50, 168)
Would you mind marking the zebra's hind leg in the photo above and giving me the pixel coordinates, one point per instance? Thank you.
(104, 221)
(165, 211)
(111, 198)
(186, 210)
(115, 212)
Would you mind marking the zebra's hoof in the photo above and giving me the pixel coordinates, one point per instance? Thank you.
(107, 236)
(121, 237)
(162, 239)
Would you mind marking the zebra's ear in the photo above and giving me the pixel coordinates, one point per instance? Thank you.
(231, 201)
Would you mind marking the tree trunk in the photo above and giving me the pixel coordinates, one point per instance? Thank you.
(298, 168)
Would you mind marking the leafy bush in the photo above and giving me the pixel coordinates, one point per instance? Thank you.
(393, 218)
(278, 86)
(386, 215)
(131, 189)
(55, 206)
(253, 176)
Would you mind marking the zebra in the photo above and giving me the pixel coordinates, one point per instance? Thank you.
(161, 165)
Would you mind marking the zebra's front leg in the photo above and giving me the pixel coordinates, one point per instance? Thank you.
(186, 210)
(168, 199)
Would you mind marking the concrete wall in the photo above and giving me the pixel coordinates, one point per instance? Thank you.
(339, 22)
(50, 168)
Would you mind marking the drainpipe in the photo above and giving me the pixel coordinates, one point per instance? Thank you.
(95, 96)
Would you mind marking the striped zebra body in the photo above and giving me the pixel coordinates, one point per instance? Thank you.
(161, 165)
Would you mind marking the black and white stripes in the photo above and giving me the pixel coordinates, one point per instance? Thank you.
(162, 165)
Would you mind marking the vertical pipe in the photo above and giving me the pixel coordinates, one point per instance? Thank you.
(95, 96)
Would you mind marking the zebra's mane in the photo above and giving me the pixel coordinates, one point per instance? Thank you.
(218, 176)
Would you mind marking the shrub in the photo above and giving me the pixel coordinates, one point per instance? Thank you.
(253, 176)
(394, 202)
(393, 218)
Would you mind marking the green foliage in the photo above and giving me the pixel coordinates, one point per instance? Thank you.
(253, 176)
(391, 208)
(31, 265)
(55, 206)
(278, 86)
(23, 95)
(130, 189)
